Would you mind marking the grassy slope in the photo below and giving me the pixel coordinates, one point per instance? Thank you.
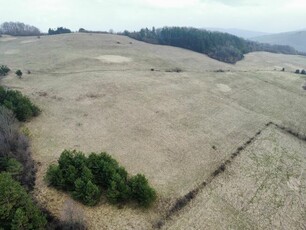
(158, 123)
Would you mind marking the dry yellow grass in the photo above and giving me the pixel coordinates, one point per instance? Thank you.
(98, 93)
(264, 188)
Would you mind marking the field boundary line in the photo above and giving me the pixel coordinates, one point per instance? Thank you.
(187, 198)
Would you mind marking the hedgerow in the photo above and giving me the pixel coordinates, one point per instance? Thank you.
(86, 177)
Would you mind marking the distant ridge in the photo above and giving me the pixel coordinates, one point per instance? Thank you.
(246, 34)
(296, 39)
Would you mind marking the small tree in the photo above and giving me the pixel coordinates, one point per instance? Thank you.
(54, 177)
(4, 70)
(118, 191)
(297, 71)
(18, 73)
(86, 192)
(303, 72)
(141, 190)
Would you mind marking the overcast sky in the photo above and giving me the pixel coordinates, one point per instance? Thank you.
(258, 15)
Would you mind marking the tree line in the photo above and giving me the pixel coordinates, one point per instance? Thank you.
(220, 46)
(18, 29)
(59, 30)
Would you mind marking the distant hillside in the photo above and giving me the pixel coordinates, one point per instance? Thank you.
(295, 39)
(220, 46)
(246, 34)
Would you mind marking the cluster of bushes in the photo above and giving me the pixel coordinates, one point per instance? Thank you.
(86, 177)
(4, 70)
(59, 30)
(220, 46)
(18, 29)
(300, 71)
(23, 108)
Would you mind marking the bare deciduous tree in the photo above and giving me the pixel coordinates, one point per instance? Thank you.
(18, 29)
(15, 145)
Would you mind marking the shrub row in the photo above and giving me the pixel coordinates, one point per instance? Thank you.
(86, 177)
(21, 105)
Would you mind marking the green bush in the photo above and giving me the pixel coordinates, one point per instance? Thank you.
(17, 210)
(72, 165)
(10, 165)
(18, 73)
(86, 192)
(103, 167)
(54, 177)
(21, 105)
(4, 70)
(141, 190)
(118, 191)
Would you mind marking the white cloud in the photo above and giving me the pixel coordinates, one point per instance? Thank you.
(171, 3)
(262, 15)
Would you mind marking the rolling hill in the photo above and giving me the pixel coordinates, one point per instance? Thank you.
(206, 139)
(296, 39)
(220, 46)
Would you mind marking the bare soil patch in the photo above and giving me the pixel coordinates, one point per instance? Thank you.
(224, 88)
(113, 59)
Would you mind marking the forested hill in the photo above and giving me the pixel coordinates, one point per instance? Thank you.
(296, 39)
(220, 46)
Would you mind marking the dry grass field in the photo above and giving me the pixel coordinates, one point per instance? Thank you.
(264, 188)
(98, 93)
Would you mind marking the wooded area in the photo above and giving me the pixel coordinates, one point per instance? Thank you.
(220, 46)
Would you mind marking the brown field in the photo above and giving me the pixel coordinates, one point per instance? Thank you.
(98, 93)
